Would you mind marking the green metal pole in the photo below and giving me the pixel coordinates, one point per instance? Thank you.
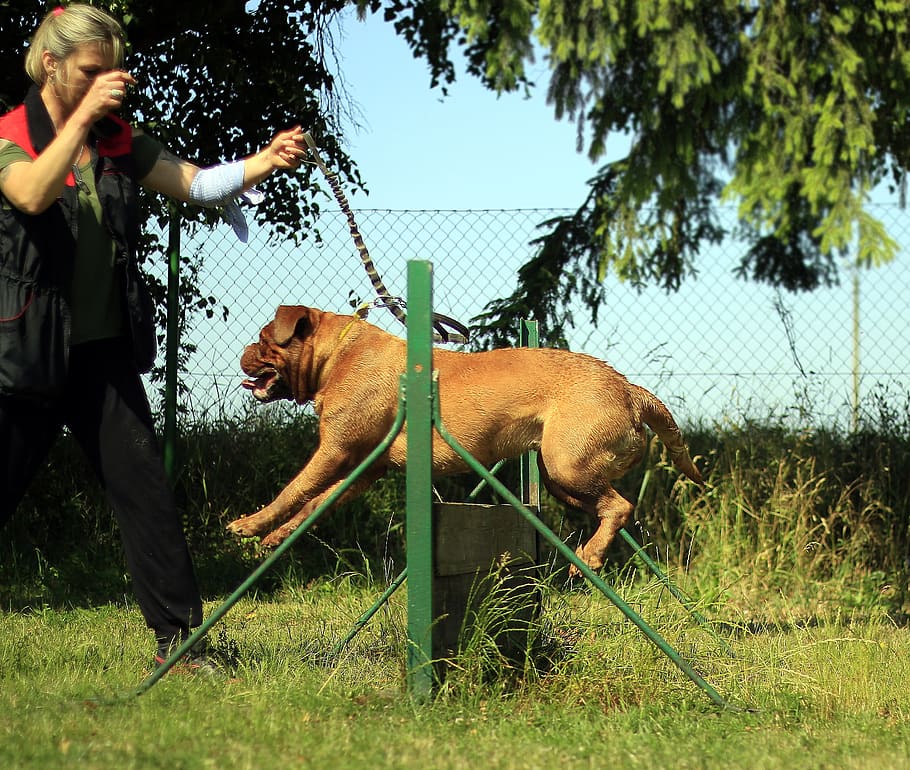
(419, 485)
(483, 482)
(365, 618)
(173, 342)
(530, 473)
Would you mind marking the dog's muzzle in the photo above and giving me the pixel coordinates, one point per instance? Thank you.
(266, 384)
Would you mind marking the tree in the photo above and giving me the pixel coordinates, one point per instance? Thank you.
(216, 81)
(793, 109)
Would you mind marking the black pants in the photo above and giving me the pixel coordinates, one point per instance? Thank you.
(107, 411)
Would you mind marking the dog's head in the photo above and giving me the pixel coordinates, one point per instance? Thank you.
(278, 365)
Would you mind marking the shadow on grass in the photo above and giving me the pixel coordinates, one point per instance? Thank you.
(66, 574)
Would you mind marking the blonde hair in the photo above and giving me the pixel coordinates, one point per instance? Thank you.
(66, 29)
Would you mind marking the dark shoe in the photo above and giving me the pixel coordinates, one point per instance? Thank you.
(192, 663)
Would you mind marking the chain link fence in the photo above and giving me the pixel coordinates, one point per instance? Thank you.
(720, 349)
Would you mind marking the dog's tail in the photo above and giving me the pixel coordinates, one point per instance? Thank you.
(658, 418)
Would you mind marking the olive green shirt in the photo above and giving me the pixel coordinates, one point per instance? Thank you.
(95, 295)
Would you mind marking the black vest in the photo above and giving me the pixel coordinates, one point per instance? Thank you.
(37, 254)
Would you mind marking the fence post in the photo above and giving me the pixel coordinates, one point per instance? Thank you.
(854, 423)
(172, 341)
(528, 337)
(419, 485)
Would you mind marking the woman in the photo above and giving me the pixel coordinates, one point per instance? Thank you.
(76, 321)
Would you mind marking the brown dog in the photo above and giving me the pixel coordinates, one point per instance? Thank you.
(585, 419)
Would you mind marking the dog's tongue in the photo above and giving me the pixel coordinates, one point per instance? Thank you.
(258, 384)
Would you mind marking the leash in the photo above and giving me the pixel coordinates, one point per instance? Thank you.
(447, 328)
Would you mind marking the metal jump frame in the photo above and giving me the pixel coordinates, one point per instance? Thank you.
(418, 403)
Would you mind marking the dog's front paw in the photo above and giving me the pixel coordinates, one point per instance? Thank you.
(276, 537)
(243, 527)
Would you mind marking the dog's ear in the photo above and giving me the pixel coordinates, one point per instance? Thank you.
(287, 320)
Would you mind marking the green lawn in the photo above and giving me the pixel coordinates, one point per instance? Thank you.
(806, 690)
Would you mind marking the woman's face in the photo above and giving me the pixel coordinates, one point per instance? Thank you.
(76, 73)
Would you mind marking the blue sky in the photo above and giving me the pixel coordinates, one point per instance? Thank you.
(468, 150)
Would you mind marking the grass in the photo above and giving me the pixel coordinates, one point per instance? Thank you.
(833, 692)
(797, 550)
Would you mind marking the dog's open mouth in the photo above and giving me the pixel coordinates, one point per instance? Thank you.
(264, 383)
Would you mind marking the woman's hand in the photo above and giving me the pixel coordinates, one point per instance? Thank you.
(287, 149)
(105, 94)
(285, 152)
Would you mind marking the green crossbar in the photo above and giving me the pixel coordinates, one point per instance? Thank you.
(570, 555)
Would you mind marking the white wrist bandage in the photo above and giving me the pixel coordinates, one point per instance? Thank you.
(217, 185)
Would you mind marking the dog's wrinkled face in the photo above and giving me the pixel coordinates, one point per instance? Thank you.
(273, 364)
(263, 363)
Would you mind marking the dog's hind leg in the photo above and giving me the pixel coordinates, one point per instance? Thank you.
(613, 513)
(612, 510)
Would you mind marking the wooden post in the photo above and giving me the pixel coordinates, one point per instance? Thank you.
(481, 549)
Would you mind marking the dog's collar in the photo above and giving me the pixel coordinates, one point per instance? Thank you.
(358, 315)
